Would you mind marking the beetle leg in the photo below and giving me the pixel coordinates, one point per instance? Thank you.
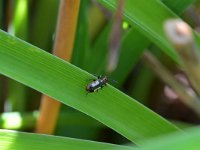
(89, 80)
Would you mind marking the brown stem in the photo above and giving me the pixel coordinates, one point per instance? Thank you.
(63, 45)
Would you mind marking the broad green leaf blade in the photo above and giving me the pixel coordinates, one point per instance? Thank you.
(188, 140)
(66, 83)
(13, 140)
(148, 17)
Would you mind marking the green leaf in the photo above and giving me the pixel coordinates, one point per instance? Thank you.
(188, 140)
(148, 17)
(66, 83)
(13, 140)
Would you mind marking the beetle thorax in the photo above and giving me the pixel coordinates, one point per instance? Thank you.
(95, 83)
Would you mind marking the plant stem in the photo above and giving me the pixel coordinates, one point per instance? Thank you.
(63, 45)
(180, 35)
(166, 76)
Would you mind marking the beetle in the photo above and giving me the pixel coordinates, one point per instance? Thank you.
(97, 84)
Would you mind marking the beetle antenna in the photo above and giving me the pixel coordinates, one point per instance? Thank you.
(114, 81)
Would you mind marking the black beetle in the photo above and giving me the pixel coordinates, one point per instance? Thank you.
(97, 84)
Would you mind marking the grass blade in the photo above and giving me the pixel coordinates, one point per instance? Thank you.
(150, 25)
(13, 140)
(32, 66)
(178, 141)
